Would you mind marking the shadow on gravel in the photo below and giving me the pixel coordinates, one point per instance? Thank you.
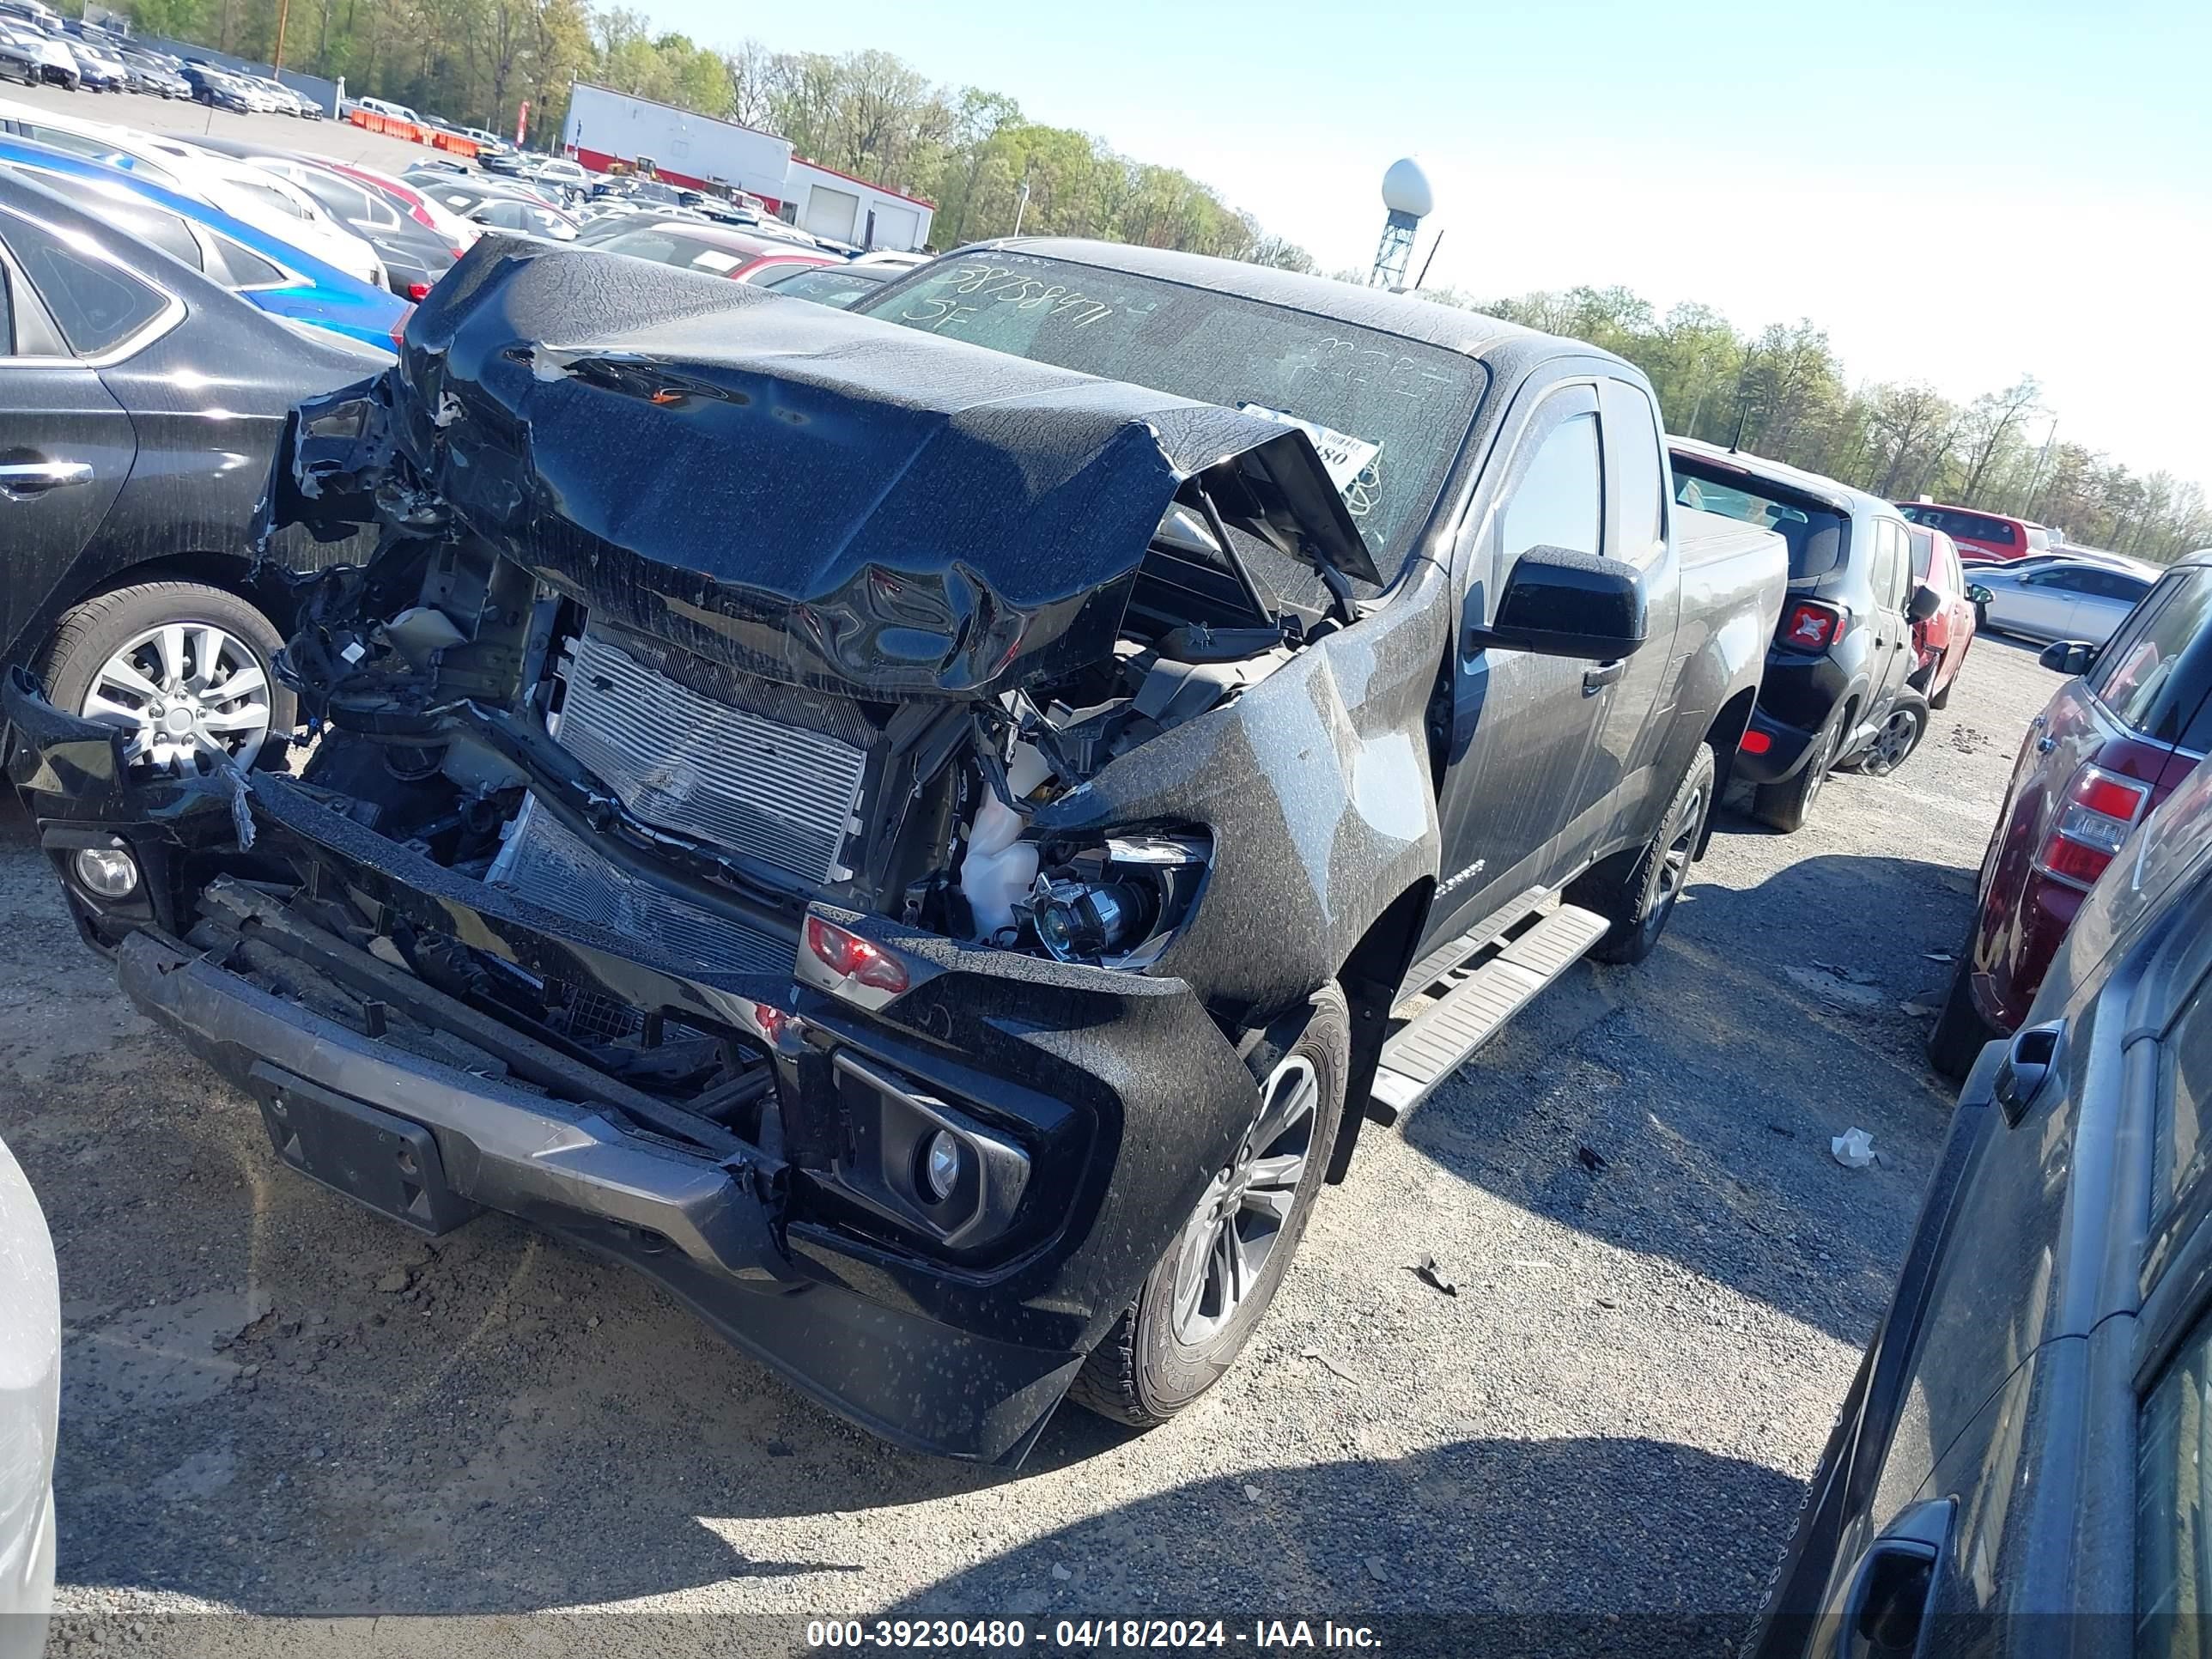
(1682, 1108)
(1511, 1537)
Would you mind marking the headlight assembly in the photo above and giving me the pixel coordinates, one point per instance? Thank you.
(1117, 904)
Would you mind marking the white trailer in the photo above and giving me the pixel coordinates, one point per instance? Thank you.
(604, 127)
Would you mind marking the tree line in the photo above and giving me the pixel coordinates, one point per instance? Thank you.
(1783, 393)
(988, 168)
(972, 153)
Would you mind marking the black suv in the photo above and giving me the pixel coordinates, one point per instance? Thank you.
(1835, 692)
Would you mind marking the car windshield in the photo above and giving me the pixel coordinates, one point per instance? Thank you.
(1816, 535)
(665, 246)
(825, 284)
(1387, 413)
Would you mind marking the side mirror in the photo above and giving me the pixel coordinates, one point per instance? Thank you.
(1563, 604)
(1978, 594)
(2068, 657)
(1924, 604)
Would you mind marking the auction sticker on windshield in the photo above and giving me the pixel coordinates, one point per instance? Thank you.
(1345, 456)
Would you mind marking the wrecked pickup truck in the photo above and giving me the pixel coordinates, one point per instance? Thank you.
(927, 833)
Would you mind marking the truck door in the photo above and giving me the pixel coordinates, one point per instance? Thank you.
(1522, 724)
(1618, 797)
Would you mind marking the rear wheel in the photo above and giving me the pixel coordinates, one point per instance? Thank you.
(1636, 891)
(184, 670)
(1961, 1032)
(1785, 806)
(1896, 739)
(1201, 1303)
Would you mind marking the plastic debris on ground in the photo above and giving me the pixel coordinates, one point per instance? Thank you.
(1853, 1149)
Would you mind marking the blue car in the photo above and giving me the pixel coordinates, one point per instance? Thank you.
(279, 278)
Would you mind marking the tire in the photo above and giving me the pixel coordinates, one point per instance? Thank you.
(1151, 1365)
(1961, 1032)
(1636, 891)
(94, 634)
(1785, 806)
(1896, 738)
(1942, 699)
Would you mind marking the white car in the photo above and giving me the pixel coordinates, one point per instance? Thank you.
(263, 200)
(37, 58)
(559, 170)
(30, 1404)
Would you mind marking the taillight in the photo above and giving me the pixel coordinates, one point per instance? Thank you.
(2100, 810)
(1809, 625)
(399, 328)
(848, 956)
(418, 292)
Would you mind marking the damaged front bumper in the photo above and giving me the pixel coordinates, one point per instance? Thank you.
(797, 1255)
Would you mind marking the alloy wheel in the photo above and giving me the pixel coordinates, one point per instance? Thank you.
(1674, 863)
(188, 695)
(1892, 743)
(1226, 1246)
(1816, 769)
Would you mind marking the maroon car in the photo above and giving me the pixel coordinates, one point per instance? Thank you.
(2110, 745)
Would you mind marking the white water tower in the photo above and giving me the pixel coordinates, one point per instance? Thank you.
(1405, 192)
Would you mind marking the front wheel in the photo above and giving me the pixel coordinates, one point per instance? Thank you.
(1636, 891)
(1201, 1303)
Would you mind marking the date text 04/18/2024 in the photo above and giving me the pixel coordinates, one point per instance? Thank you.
(1088, 1634)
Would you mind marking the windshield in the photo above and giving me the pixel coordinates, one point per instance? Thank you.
(1387, 414)
(1815, 534)
(826, 284)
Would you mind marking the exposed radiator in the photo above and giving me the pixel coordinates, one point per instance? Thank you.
(685, 761)
(781, 794)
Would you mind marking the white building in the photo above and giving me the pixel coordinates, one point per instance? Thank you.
(604, 127)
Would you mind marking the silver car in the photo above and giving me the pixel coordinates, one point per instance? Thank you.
(2058, 601)
(30, 1402)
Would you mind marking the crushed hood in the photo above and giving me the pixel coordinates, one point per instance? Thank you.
(827, 499)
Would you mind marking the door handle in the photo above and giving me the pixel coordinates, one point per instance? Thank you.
(2027, 1062)
(1595, 680)
(21, 479)
(1886, 1599)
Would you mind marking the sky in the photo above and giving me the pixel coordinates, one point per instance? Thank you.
(1959, 192)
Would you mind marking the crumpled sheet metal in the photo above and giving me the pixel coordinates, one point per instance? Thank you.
(823, 499)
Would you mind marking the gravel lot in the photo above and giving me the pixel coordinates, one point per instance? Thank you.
(1615, 1414)
(275, 1404)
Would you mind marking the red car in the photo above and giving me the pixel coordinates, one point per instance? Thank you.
(1940, 642)
(713, 250)
(1979, 534)
(2113, 742)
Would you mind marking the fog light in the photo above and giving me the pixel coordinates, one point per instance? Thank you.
(108, 873)
(941, 1165)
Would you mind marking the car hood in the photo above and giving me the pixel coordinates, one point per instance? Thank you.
(828, 500)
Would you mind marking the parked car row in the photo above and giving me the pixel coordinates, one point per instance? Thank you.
(957, 750)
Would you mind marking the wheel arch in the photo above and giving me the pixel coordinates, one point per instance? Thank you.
(1369, 978)
(1725, 737)
(233, 573)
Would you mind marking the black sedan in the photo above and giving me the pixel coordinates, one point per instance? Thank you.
(216, 89)
(140, 404)
(2024, 1462)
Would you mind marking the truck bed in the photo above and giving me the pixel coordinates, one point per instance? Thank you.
(1703, 538)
